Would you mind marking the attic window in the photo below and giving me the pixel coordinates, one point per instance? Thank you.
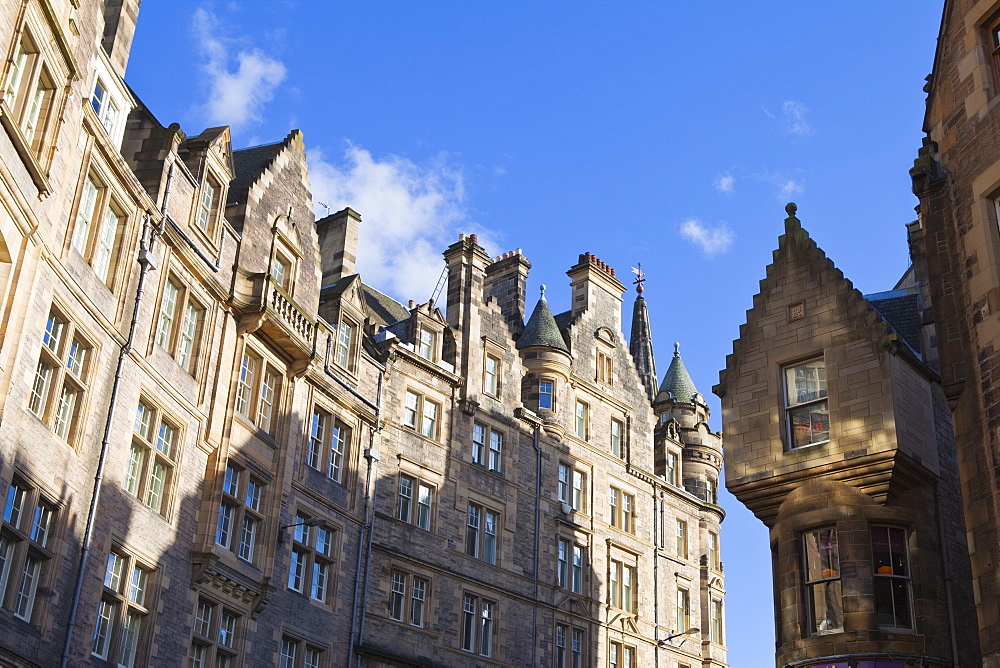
(807, 412)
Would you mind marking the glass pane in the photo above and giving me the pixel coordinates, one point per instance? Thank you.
(827, 609)
(809, 424)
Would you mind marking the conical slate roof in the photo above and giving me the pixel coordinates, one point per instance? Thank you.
(542, 329)
(678, 381)
(641, 346)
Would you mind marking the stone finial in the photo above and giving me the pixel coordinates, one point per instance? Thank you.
(677, 348)
(791, 223)
(542, 290)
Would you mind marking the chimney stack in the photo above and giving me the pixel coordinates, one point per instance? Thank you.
(338, 244)
(506, 279)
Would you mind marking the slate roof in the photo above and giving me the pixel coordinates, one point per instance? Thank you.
(247, 164)
(641, 345)
(383, 307)
(903, 314)
(678, 381)
(542, 330)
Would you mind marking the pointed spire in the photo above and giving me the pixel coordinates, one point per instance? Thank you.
(541, 329)
(678, 381)
(641, 340)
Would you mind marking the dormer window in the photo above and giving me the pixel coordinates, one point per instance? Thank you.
(426, 344)
(282, 272)
(105, 106)
(206, 202)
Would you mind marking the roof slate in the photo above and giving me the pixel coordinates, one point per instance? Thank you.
(678, 381)
(542, 330)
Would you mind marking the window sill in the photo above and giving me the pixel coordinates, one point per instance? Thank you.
(24, 151)
(808, 445)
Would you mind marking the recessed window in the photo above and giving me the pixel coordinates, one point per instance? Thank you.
(310, 567)
(622, 583)
(713, 551)
(180, 324)
(545, 395)
(622, 510)
(26, 548)
(215, 636)
(491, 376)
(59, 384)
(98, 228)
(821, 570)
(152, 458)
(108, 109)
(572, 487)
(617, 436)
(569, 647)
(621, 656)
(329, 443)
(478, 618)
(672, 469)
(257, 388)
(569, 565)
(207, 204)
(487, 447)
(297, 653)
(347, 343)
(240, 513)
(715, 621)
(408, 598)
(681, 539)
(683, 609)
(604, 368)
(806, 411)
(413, 504)
(427, 344)
(421, 414)
(891, 563)
(124, 610)
(482, 530)
(281, 272)
(30, 92)
(582, 419)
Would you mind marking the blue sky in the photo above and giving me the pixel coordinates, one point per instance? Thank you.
(669, 134)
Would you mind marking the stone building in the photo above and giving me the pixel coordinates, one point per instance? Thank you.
(219, 447)
(838, 438)
(957, 180)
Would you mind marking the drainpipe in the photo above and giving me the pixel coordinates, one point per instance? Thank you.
(359, 605)
(534, 575)
(656, 584)
(947, 576)
(146, 263)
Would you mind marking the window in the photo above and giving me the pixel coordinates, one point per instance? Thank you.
(713, 551)
(99, 221)
(215, 638)
(582, 419)
(208, 205)
(60, 378)
(621, 510)
(491, 376)
(993, 30)
(715, 618)
(408, 598)
(622, 586)
(421, 414)
(672, 468)
(621, 656)
(482, 527)
(806, 411)
(572, 656)
(329, 443)
(240, 511)
(30, 92)
(152, 458)
(683, 610)
(681, 542)
(477, 625)
(604, 368)
(179, 327)
(281, 272)
(711, 491)
(122, 614)
(892, 578)
(414, 511)
(26, 550)
(572, 487)
(296, 653)
(427, 344)
(310, 566)
(545, 394)
(822, 581)
(491, 458)
(106, 107)
(569, 568)
(617, 431)
(347, 341)
(257, 388)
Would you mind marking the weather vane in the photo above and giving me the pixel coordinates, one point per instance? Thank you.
(640, 277)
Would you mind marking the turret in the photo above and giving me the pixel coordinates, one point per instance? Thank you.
(546, 359)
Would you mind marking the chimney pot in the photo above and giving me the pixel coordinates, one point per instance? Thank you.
(412, 304)
(474, 238)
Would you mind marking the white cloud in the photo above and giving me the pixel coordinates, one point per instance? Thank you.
(790, 187)
(410, 214)
(711, 240)
(235, 96)
(793, 116)
(724, 183)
